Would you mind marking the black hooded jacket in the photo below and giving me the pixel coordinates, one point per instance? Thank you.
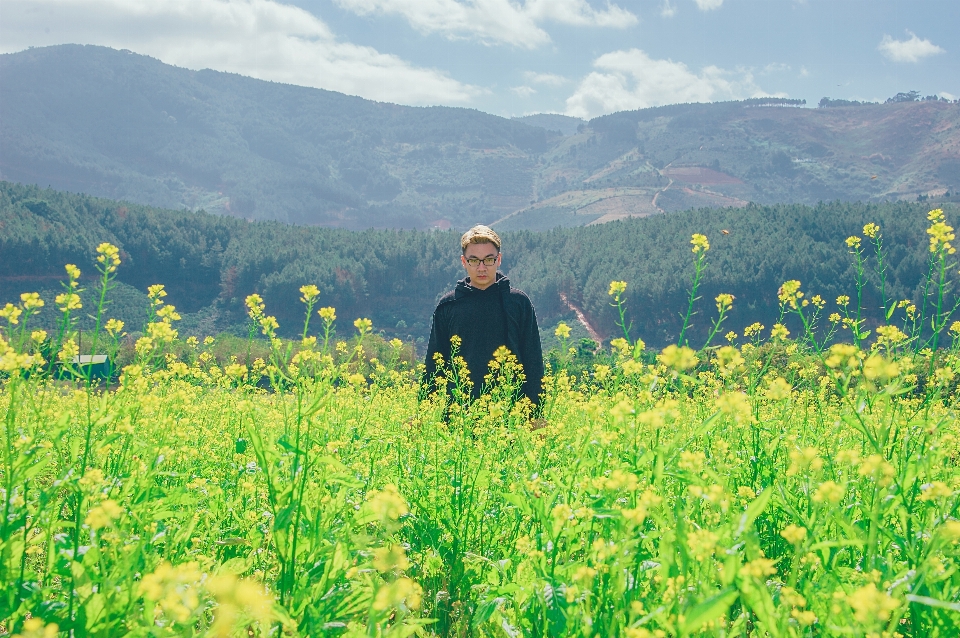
(485, 320)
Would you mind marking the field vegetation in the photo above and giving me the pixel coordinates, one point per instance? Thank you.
(793, 479)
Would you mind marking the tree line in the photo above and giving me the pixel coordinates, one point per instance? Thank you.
(210, 263)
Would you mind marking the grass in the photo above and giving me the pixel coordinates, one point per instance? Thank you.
(767, 487)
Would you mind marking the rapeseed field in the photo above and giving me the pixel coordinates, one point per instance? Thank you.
(778, 484)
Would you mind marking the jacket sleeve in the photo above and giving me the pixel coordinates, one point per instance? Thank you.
(439, 342)
(531, 356)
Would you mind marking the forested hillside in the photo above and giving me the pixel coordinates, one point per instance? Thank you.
(210, 263)
(120, 125)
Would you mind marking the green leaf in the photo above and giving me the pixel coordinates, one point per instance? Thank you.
(755, 509)
(933, 602)
(708, 610)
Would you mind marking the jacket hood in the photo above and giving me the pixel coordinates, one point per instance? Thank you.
(464, 288)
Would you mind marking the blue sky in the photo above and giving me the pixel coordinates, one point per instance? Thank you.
(516, 57)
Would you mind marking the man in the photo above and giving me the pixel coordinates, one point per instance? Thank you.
(486, 313)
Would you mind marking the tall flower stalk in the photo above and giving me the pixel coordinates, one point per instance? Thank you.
(700, 247)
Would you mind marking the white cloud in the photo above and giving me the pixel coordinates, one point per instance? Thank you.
(628, 80)
(708, 5)
(494, 21)
(947, 96)
(911, 50)
(775, 67)
(524, 91)
(259, 38)
(547, 79)
(667, 10)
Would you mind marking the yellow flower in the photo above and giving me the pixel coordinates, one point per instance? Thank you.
(174, 589)
(562, 331)
(31, 301)
(104, 514)
(778, 389)
(254, 305)
(702, 544)
(36, 628)
(68, 351)
(68, 301)
(758, 568)
(829, 492)
(160, 331)
(934, 491)
(940, 233)
(753, 329)
(678, 357)
(328, 314)
(386, 559)
(794, 534)
(38, 336)
(235, 370)
(805, 459)
(876, 368)
(156, 293)
(843, 355)
(113, 326)
(363, 326)
(692, 461)
(72, 272)
(402, 590)
(736, 405)
(168, 314)
(109, 256)
(700, 243)
(268, 324)
(144, 345)
(584, 574)
(387, 504)
(804, 618)
(724, 301)
(779, 331)
(871, 230)
(617, 288)
(950, 530)
(11, 313)
(309, 292)
(789, 293)
(870, 604)
(730, 336)
(853, 242)
(728, 360)
(843, 300)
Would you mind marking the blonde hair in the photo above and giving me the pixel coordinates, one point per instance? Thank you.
(480, 234)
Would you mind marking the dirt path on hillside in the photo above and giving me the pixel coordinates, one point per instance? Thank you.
(657, 194)
(582, 318)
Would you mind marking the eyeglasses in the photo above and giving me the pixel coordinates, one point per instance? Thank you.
(473, 262)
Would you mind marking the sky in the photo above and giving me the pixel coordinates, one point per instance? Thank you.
(582, 58)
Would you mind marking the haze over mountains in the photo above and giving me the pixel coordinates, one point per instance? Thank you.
(125, 126)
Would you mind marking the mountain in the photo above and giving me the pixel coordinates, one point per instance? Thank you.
(125, 126)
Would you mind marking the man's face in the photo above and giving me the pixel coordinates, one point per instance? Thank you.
(481, 276)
